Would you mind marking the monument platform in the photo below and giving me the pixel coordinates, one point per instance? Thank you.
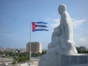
(73, 60)
(80, 65)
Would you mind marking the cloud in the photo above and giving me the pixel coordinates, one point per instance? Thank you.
(84, 37)
(77, 22)
(83, 40)
(56, 22)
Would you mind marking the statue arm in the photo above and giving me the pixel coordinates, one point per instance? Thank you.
(68, 31)
(67, 28)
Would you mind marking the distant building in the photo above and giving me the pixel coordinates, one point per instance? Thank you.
(35, 47)
(10, 50)
(21, 50)
(2, 49)
(81, 48)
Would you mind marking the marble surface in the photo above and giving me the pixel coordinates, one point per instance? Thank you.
(73, 60)
(79, 65)
(64, 60)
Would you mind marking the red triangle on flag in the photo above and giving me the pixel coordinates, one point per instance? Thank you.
(33, 26)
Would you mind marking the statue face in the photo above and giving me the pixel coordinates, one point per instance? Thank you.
(61, 9)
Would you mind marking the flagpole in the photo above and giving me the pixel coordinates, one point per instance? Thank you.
(30, 45)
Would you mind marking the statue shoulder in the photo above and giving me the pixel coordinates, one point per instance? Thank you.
(65, 15)
(65, 18)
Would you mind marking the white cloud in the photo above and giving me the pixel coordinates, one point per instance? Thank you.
(84, 37)
(56, 22)
(77, 22)
(83, 40)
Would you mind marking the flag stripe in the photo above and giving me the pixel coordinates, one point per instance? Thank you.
(41, 30)
(41, 25)
(40, 22)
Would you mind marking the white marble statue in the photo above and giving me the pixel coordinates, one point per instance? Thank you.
(62, 37)
(62, 40)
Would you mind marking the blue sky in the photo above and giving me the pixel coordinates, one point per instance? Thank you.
(15, 17)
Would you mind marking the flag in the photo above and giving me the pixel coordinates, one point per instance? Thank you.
(39, 26)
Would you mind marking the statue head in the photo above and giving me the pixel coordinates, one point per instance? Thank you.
(61, 9)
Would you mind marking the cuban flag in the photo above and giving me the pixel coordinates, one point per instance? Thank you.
(39, 26)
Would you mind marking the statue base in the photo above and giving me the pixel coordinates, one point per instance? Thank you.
(64, 60)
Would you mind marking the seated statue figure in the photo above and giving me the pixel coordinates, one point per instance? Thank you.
(61, 42)
(62, 37)
(54, 39)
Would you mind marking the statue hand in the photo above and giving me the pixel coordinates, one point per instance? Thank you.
(69, 44)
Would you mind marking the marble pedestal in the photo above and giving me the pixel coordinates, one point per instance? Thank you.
(64, 60)
(73, 60)
(79, 65)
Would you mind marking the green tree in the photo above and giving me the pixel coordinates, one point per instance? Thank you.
(22, 57)
(84, 51)
(43, 52)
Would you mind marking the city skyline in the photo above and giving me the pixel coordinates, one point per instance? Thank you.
(15, 17)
